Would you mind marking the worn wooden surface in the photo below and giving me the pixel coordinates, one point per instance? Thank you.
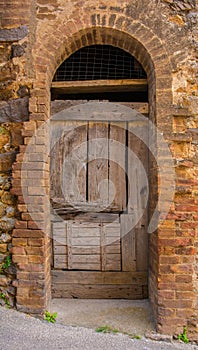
(102, 242)
(96, 285)
(74, 87)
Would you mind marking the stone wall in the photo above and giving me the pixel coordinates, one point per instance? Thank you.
(35, 37)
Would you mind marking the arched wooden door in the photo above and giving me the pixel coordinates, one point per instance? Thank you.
(99, 192)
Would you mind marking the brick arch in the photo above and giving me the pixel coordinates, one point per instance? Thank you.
(140, 42)
(132, 36)
(102, 36)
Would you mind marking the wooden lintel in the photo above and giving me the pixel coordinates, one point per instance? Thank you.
(75, 87)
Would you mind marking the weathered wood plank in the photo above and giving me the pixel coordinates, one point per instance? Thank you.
(103, 248)
(59, 105)
(60, 249)
(91, 258)
(117, 165)
(85, 250)
(113, 248)
(85, 229)
(142, 249)
(59, 233)
(128, 243)
(69, 245)
(86, 266)
(74, 163)
(113, 265)
(97, 291)
(98, 163)
(74, 87)
(111, 260)
(99, 277)
(68, 161)
(86, 241)
(138, 137)
(60, 261)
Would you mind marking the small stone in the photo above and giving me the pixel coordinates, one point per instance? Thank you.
(2, 210)
(159, 337)
(7, 198)
(15, 110)
(5, 182)
(3, 248)
(2, 257)
(23, 91)
(11, 290)
(17, 50)
(5, 238)
(10, 212)
(6, 224)
(177, 20)
(4, 137)
(3, 281)
(13, 34)
(2, 302)
(11, 270)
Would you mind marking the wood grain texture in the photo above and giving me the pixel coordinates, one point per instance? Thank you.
(98, 291)
(74, 87)
(117, 164)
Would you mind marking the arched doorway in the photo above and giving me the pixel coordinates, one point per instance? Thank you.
(99, 175)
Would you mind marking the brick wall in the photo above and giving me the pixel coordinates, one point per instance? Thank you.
(161, 35)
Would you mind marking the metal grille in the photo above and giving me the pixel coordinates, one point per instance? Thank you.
(99, 62)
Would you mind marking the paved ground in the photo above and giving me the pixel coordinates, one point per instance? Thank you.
(131, 316)
(21, 332)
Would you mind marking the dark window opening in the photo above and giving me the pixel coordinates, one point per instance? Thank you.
(106, 96)
(98, 62)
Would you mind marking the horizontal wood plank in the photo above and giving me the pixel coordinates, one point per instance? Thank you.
(59, 105)
(74, 87)
(106, 277)
(98, 291)
(60, 261)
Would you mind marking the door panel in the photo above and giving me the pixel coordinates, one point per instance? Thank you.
(99, 187)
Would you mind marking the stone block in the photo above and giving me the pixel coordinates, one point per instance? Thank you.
(14, 110)
(13, 34)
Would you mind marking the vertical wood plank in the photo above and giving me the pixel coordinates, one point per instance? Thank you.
(111, 256)
(59, 235)
(98, 163)
(117, 166)
(66, 160)
(69, 244)
(128, 242)
(139, 188)
(75, 156)
(103, 248)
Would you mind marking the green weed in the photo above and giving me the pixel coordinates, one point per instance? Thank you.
(51, 318)
(5, 298)
(7, 262)
(108, 329)
(183, 336)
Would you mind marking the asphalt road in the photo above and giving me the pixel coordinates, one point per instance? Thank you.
(21, 332)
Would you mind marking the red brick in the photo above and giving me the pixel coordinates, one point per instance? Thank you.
(36, 259)
(18, 251)
(20, 259)
(31, 301)
(36, 242)
(32, 225)
(34, 250)
(18, 242)
(20, 224)
(27, 233)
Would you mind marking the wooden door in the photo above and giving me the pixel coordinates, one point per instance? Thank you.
(99, 191)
